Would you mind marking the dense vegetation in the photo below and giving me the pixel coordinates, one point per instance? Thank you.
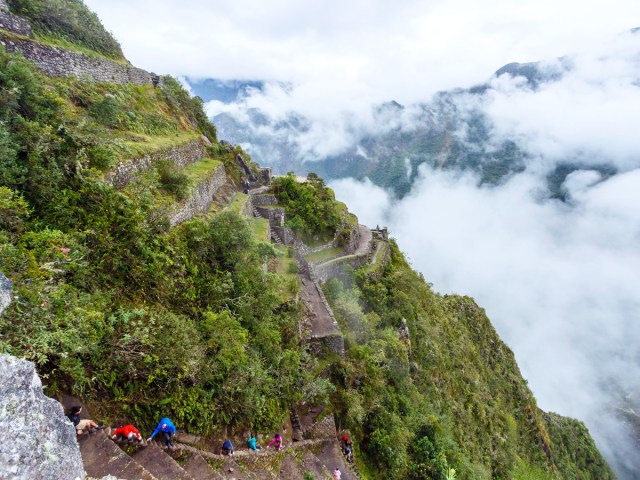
(312, 211)
(110, 303)
(55, 131)
(70, 21)
(448, 396)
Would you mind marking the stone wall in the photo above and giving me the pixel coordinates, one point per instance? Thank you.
(201, 197)
(319, 346)
(275, 217)
(13, 23)
(181, 155)
(38, 441)
(59, 62)
(265, 200)
(3, 6)
(5, 292)
(337, 268)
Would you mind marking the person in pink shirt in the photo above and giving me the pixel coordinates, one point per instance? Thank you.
(337, 474)
(276, 442)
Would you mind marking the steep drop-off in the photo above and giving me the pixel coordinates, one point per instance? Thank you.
(143, 285)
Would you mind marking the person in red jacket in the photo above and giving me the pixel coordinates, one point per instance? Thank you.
(128, 433)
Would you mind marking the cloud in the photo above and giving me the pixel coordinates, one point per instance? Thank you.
(405, 52)
(589, 116)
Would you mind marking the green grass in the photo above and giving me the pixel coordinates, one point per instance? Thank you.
(200, 170)
(287, 267)
(138, 144)
(323, 255)
(238, 203)
(259, 226)
(53, 41)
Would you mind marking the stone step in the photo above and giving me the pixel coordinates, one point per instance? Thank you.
(199, 469)
(102, 457)
(160, 464)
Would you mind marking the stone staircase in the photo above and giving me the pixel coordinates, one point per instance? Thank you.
(102, 457)
(154, 459)
(318, 456)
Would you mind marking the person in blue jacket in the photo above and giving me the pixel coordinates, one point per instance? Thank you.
(168, 430)
(227, 448)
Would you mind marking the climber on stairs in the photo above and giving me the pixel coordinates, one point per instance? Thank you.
(168, 430)
(347, 449)
(276, 442)
(227, 448)
(253, 443)
(82, 425)
(128, 433)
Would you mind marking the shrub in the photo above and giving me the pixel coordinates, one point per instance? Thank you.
(70, 20)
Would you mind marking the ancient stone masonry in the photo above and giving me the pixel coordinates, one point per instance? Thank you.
(337, 268)
(13, 23)
(180, 155)
(59, 62)
(38, 441)
(264, 200)
(201, 197)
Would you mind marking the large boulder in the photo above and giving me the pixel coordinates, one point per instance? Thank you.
(38, 441)
(5, 291)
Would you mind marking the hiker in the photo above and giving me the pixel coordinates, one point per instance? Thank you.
(345, 441)
(337, 474)
(245, 186)
(253, 445)
(276, 442)
(168, 430)
(347, 451)
(227, 448)
(128, 433)
(82, 425)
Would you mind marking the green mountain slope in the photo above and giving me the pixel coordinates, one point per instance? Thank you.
(202, 321)
(429, 386)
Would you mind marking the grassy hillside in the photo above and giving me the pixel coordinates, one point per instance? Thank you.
(69, 23)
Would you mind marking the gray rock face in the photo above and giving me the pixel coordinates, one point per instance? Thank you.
(38, 442)
(5, 292)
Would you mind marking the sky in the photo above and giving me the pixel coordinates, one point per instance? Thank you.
(371, 49)
(559, 280)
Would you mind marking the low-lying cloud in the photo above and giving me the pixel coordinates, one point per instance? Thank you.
(560, 280)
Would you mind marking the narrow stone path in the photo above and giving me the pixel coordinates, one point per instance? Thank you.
(322, 323)
(365, 240)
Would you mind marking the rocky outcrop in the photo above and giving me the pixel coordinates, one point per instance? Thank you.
(38, 441)
(5, 292)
